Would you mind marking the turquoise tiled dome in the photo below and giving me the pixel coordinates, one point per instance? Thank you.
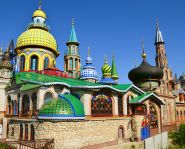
(65, 106)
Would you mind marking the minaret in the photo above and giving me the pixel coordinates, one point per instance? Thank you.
(114, 73)
(162, 61)
(72, 57)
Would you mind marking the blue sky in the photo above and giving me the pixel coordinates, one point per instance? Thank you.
(107, 27)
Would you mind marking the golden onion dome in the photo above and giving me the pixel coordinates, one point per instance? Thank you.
(39, 13)
(37, 37)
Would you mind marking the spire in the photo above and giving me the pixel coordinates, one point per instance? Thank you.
(105, 57)
(73, 37)
(158, 37)
(40, 4)
(114, 73)
(143, 53)
(88, 59)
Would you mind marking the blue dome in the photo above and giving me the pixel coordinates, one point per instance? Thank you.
(89, 71)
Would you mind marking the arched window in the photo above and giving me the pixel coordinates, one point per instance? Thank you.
(25, 105)
(34, 63)
(34, 103)
(26, 132)
(101, 105)
(46, 62)
(76, 64)
(21, 132)
(32, 133)
(22, 62)
(48, 96)
(153, 117)
(71, 63)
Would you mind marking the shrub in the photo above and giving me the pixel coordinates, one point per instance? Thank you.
(178, 137)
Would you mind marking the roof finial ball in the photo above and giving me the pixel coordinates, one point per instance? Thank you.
(143, 54)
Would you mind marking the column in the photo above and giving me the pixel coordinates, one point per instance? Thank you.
(124, 105)
(31, 105)
(115, 112)
(20, 105)
(86, 100)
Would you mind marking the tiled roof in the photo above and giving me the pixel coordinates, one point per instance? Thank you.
(35, 78)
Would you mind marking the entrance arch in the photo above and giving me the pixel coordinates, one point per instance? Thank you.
(25, 105)
(121, 133)
(153, 120)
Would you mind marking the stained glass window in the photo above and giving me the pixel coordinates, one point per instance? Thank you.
(101, 104)
(22, 62)
(153, 117)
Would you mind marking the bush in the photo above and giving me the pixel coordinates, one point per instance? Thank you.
(178, 137)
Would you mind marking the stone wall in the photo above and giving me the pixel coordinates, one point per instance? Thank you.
(73, 135)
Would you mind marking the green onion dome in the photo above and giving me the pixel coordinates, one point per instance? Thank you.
(106, 69)
(65, 107)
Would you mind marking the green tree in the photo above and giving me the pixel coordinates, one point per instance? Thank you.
(178, 137)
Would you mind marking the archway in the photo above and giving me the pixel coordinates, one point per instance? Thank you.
(121, 134)
(25, 105)
(101, 105)
(9, 108)
(34, 104)
(21, 132)
(26, 132)
(32, 133)
(153, 120)
(120, 105)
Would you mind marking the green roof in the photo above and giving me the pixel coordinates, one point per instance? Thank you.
(41, 79)
(29, 86)
(143, 97)
(77, 105)
(114, 73)
(66, 106)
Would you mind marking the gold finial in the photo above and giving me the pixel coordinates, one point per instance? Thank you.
(73, 21)
(143, 54)
(88, 51)
(40, 4)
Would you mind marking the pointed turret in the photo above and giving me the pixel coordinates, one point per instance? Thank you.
(114, 73)
(73, 37)
(158, 37)
(72, 57)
